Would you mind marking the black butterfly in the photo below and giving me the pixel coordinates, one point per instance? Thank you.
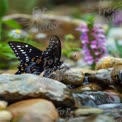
(36, 61)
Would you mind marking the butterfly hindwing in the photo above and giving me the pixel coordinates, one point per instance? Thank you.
(52, 54)
(23, 51)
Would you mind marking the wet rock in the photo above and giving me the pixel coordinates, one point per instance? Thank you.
(5, 116)
(108, 62)
(90, 87)
(87, 111)
(93, 118)
(112, 109)
(34, 110)
(101, 77)
(93, 99)
(25, 86)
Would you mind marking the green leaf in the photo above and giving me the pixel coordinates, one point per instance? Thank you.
(3, 7)
(69, 37)
(12, 24)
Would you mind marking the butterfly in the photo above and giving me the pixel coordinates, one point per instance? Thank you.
(35, 61)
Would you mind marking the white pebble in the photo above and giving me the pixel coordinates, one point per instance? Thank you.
(5, 115)
(3, 105)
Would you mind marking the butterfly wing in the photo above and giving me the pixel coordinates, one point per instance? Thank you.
(30, 57)
(56, 47)
(35, 61)
(24, 52)
(52, 55)
(34, 66)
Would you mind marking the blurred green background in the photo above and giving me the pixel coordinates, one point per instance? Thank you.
(83, 10)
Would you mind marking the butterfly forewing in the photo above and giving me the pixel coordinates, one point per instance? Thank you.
(23, 51)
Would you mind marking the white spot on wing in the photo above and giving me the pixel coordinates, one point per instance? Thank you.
(26, 45)
(18, 46)
(23, 52)
(30, 50)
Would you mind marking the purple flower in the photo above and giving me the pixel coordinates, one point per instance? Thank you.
(82, 28)
(93, 42)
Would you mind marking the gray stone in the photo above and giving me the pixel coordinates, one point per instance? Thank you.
(93, 118)
(25, 86)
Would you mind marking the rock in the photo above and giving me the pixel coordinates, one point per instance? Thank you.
(3, 105)
(25, 86)
(112, 109)
(108, 62)
(119, 119)
(102, 77)
(68, 62)
(33, 110)
(93, 118)
(116, 74)
(86, 71)
(90, 87)
(86, 111)
(82, 64)
(61, 120)
(106, 77)
(73, 77)
(5, 116)
(93, 98)
(70, 76)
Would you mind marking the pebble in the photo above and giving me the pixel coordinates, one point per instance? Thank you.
(86, 111)
(108, 62)
(3, 105)
(33, 110)
(5, 115)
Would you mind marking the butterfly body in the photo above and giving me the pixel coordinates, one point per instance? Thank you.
(35, 61)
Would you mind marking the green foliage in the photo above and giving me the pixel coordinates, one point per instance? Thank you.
(5, 55)
(3, 7)
(24, 6)
(69, 45)
(69, 48)
(6, 52)
(12, 24)
(77, 13)
(3, 10)
(88, 18)
(69, 37)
